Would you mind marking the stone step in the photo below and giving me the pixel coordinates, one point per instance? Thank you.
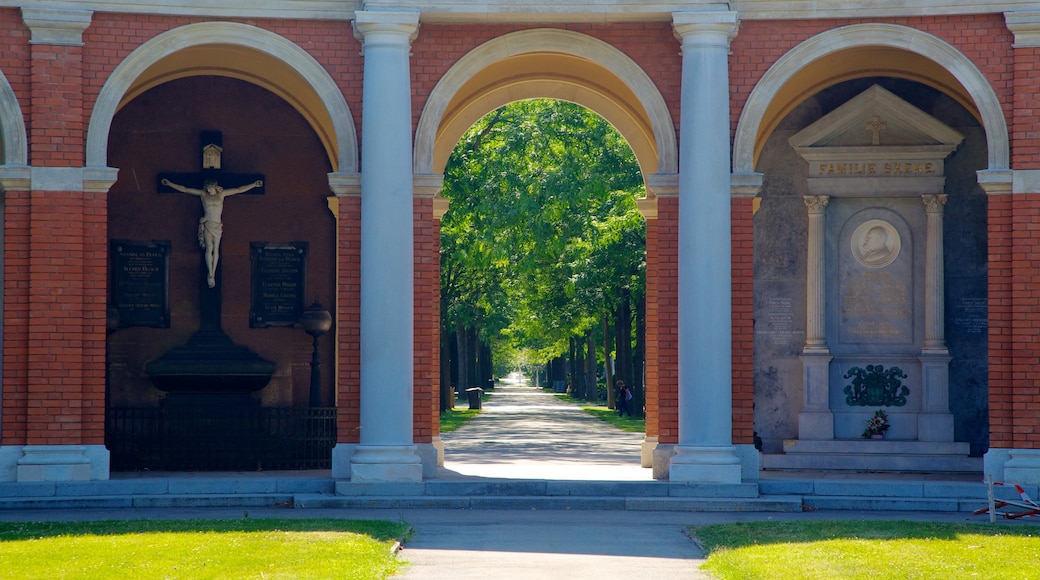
(547, 488)
(239, 500)
(543, 502)
(881, 463)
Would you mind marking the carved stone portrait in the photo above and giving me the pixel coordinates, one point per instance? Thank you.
(875, 244)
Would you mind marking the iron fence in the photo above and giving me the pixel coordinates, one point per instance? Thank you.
(207, 438)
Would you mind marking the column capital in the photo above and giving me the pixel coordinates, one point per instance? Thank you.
(1025, 25)
(705, 27)
(379, 28)
(817, 204)
(56, 25)
(345, 184)
(934, 203)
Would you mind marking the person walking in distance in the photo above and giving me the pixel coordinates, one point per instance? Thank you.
(623, 398)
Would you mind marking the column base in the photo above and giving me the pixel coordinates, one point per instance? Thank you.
(935, 427)
(432, 455)
(646, 452)
(341, 455)
(376, 463)
(816, 426)
(705, 465)
(41, 463)
(1023, 467)
(662, 459)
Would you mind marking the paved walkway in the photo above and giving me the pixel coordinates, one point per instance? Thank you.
(524, 432)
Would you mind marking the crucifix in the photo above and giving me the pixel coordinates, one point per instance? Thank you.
(212, 186)
(875, 126)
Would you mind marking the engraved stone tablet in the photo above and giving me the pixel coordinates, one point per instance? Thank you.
(278, 283)
(140, 282)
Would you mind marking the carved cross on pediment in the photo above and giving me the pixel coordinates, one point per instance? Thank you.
(875, 126)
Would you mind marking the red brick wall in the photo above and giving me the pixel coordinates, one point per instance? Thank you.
(667, 265)
(348, 322)
(652, 379)
(426, 349)
(17, 209)
(982, 38)
(1002, 333)
(743, 320)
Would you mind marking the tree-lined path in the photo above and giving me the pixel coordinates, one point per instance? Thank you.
(524, 432)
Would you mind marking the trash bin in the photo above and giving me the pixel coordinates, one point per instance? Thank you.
(474, 394)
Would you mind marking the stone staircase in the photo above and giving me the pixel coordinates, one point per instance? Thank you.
(874, 456)
(769, 494)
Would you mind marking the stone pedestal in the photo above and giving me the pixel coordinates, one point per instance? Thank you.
(41, 463)
(816, 421)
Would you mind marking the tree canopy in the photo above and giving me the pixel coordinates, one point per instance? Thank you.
(543, 237)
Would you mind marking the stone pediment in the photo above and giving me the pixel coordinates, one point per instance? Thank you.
(888, 144)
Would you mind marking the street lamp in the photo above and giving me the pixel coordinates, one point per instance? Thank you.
(316, 321)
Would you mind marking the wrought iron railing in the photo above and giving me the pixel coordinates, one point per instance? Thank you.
(206, 438)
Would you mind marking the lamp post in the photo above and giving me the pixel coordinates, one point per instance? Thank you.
(316, 321)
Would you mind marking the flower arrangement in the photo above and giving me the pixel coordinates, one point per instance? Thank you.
(876, 425)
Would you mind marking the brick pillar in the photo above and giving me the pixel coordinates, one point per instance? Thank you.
(426, 353)
(1014, 287)
(666, 308)
(347, 328)
(59, 325)
(742, 229)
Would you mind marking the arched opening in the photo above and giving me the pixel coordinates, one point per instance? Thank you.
(562, 65)
(814, 331)
(543, 272)
(251, 114)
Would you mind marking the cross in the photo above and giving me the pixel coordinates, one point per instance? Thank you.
(211, 185)
(875, 126)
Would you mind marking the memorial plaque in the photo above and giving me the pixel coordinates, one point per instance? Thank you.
(140, 282)
(278, 283)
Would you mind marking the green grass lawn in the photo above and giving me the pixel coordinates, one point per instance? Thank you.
(197, 549)
(452, 419)
(602, 412)
(875, 550)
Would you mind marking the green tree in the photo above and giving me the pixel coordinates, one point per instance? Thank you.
(543, 241)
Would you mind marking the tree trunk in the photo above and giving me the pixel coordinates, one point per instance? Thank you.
(608, 370)
(639, 357)
(485, 364)
(623, 340)
(462, 348)
(447, 402)
(591, 388)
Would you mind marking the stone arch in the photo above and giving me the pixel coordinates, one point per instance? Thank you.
(585, 70)
(924, 58)
(239, 51)
(15, 149)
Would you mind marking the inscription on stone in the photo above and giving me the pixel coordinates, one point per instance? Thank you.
(904, 168)
(876, 307)
(278, 283)
(140, 282)
(970, 315)
(779, 321)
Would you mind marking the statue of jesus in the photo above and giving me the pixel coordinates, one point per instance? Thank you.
(210, 226)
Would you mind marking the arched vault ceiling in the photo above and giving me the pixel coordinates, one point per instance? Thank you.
(245, 64)
(853, 63)
(548, 75)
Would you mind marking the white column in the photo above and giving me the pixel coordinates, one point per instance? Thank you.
(935, 423)
(934, 283)
(815, 420)
(705, 452)
(386, 451)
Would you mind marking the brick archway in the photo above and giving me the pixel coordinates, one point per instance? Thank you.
(956, 74)
(547, 63)
(270, 61)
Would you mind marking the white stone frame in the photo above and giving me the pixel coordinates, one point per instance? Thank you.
(225, 33)
(536, 40)
(883, 35)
